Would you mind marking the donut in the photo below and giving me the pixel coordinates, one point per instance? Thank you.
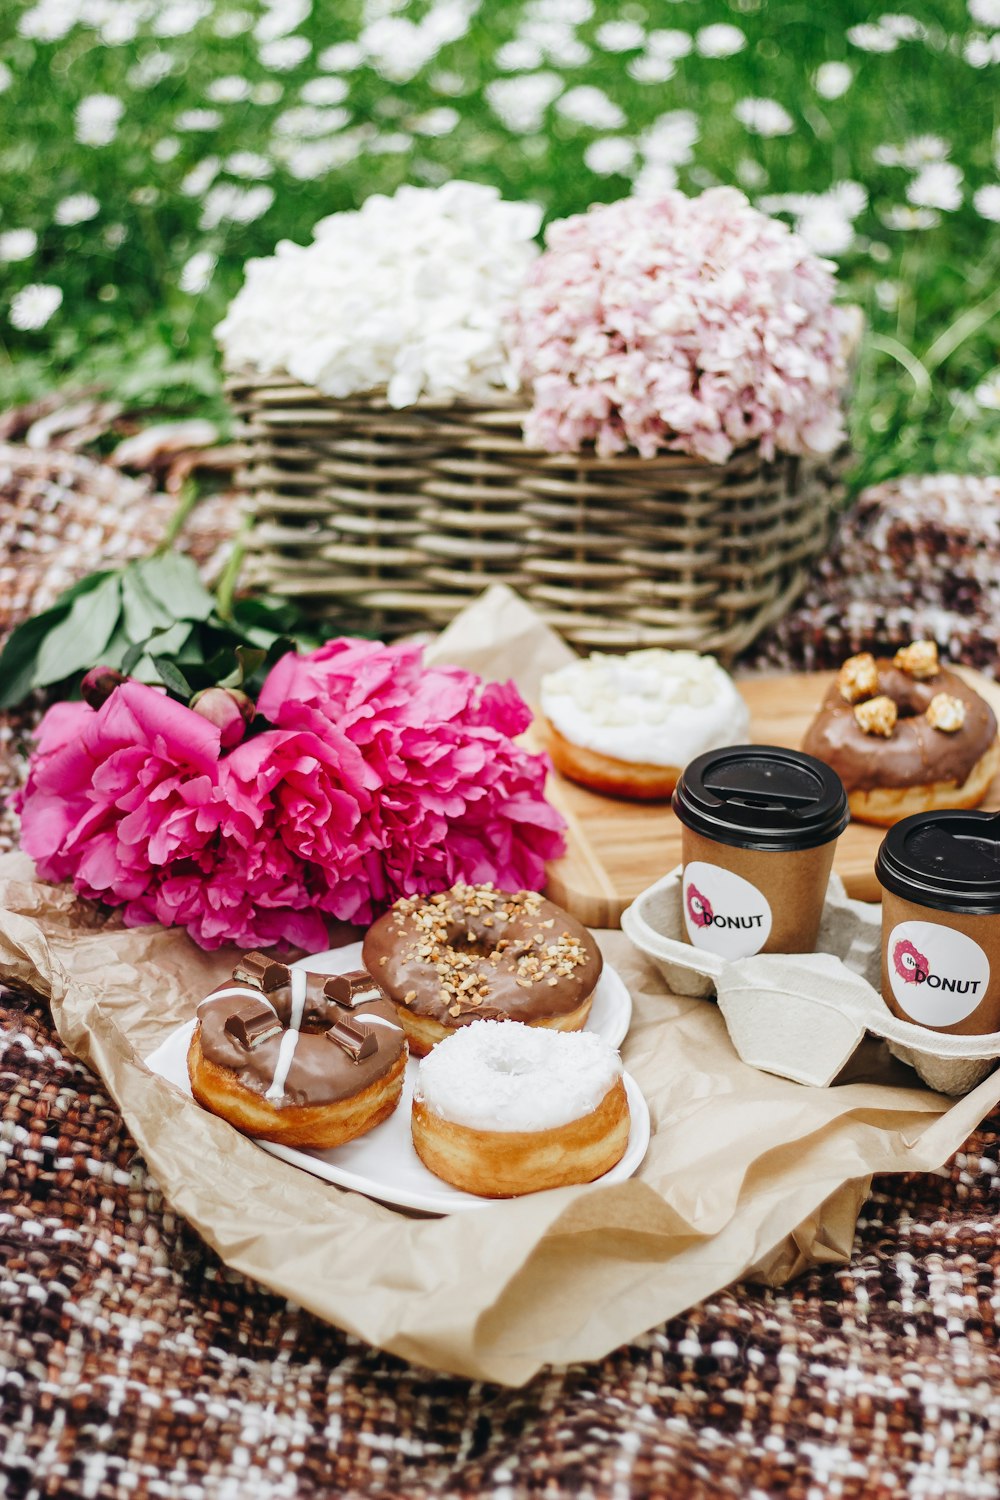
(474, 952)
(297, 1058)
(501, 1109)
(905, 735)
(628, 725)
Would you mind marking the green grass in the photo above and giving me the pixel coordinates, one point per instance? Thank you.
(131, 318)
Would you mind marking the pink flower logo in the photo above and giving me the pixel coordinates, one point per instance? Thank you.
(909, 963)
(699, 907)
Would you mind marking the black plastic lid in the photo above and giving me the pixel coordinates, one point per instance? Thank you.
(762, 797)
(946, 860)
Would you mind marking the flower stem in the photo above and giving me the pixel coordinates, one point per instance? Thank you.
(230, 574)
(188, 500)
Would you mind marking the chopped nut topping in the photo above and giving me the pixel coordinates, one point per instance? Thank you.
(946, 713)
(919, 659)
(858, 678)
(877, 716)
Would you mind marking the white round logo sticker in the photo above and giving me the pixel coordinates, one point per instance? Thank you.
(938, 976)
(724, 913)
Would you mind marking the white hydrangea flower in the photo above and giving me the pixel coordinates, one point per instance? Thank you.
(77, 209)
(763, 117)
(96, 120)
(832, 79)
(986, 202)
(720, 40)
(408, 293)
(33, 306)
(589, 105)
(18, 244)
(938, 185)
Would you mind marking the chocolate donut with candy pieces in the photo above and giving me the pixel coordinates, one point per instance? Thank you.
(905, 735)
(302, 1059)
(477, 953)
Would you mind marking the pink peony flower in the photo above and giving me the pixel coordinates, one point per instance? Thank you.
(692, 324)
(376, 778)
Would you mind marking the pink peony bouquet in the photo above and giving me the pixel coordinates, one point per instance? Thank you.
(691, 324)
(366, 777)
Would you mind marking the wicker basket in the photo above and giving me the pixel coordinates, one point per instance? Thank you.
(394, 520)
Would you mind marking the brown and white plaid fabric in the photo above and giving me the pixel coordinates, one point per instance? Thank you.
(133, 1364)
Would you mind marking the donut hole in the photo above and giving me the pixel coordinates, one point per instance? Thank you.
(513, 1066)
(472, 940)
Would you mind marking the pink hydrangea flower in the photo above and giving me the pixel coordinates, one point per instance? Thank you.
(692, 324)
(376, 778)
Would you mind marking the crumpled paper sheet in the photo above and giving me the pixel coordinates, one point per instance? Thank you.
(745, 1174)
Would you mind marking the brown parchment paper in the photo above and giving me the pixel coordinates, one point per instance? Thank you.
(745, 1173)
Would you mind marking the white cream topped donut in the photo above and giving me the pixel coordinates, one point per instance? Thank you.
(629, 724)
(501, 1109)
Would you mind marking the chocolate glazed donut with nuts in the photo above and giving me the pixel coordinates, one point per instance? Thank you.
(905, 736)
(476, 953)
(297, 1058)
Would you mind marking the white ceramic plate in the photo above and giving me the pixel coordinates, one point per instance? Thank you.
(383, 1163)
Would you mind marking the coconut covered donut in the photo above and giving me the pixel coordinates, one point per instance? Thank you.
(474, 952)
(905, 736)
(502, 1109)
(628, 725)
(297, 1058)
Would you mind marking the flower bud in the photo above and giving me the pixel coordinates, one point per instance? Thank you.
(227, 708)
(98, 685)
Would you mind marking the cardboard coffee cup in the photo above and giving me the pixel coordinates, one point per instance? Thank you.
(940, 877)
(759, 829)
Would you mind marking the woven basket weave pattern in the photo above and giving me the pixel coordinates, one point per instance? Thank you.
(396, 519)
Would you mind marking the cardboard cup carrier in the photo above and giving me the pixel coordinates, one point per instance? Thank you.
(759, 826)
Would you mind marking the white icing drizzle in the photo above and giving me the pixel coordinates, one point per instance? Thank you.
(373, 1020)
(238, 992)
(300, 980)
(286, 1053)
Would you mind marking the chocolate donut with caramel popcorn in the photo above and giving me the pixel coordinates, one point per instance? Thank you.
(477, 953)
(302, 1059)
(905, 735)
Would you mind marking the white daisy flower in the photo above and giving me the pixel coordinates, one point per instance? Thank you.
(720, 40)
(832, 79)
(613, 153)
(33, 306)
(18, 244)
(986, 202)
(588, 105)
(95, 122)
(764, 117)
(77, 209)
(938, 185)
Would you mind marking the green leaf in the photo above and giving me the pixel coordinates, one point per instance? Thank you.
(173, 580)
(170, 642)
(132, 656)
(144, 613)
(75, 643)
(248, 659)
(172, 677)
(19, 655)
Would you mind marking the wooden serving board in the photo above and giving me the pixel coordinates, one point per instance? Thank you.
(616, 849)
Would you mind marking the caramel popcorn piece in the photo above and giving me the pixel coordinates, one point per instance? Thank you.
(877, 716)
(919, 659)
(858, 678)
(946, 713)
